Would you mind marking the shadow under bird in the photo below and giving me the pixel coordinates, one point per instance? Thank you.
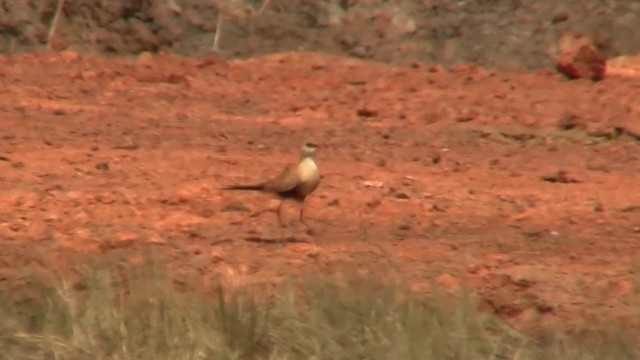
(295, 182)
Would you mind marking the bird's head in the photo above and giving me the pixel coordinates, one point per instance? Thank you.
(308, 149)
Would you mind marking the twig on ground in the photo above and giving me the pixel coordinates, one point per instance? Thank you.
(54, 23)
(233, 9)
(173, 6)
(263, 7)
(216, 38)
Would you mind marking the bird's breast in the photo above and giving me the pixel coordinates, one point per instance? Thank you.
(308, 171)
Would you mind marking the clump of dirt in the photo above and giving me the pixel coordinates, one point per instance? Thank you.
(502, 33)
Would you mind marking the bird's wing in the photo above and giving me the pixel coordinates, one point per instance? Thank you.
(285, 181)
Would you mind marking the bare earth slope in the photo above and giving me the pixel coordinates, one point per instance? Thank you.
(523, 186)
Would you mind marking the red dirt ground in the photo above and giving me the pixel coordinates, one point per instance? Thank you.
(524, 186)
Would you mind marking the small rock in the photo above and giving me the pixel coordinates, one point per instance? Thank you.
(334, 202)
(447, 281)
(69, 56)
(59, 112)
(59, 43)
(522, 276)
(569, 122)
(630, 208)
(404, 227)
(630, 127)
(597, 206)
(216, 254)
(620, 287)
(206, 212)
(579, 58)
(235, 207)
(130, 147)
(209, 61)
(376, 184)
(436, 69)
(145, 57)
(559, 17)
(401, 195)
(372, 204)
(18, 165)
(478, 269)
(103, 166)
(28, 201)
(106, 199)
(360, 51)
(561, 176)
(602, 130)
(420, 287)
(348, 41)
(366, 112)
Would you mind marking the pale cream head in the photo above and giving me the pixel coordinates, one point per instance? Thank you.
(308, 149)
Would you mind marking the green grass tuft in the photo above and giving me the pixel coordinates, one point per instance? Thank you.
(137, 313)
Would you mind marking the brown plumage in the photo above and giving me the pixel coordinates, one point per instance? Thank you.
(294, 182)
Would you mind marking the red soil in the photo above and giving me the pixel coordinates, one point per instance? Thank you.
(524, 186)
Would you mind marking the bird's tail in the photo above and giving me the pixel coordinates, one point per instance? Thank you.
(256, 187)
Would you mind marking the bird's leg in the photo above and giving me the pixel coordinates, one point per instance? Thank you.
(282, 224)
(309, 229)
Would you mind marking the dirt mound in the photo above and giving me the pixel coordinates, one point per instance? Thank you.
(505, 33)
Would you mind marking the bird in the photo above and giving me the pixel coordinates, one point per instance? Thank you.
(295, 182)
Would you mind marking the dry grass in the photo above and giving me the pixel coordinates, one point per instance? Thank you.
(145, 317)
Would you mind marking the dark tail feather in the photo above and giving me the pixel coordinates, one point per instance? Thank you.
(257, 187)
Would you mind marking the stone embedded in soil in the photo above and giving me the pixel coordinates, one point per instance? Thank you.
(620, 287)
(402, 195)
(235, 207)
(366, 112)
(630, 208)
(102, 166)
(630, 127)
(420, 287)
(448, 282)
(216, 254)
(560, 176)
(560, 16)
(372, 204)
(579, 58)
(571, 121)
(597, 206)
(334, 202)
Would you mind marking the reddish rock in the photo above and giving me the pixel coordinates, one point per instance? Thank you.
(579, 58)
(448, 282)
